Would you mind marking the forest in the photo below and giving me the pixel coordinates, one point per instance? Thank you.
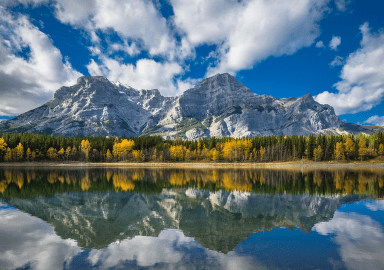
(19, 147)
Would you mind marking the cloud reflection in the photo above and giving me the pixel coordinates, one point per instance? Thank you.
(361, 239)
(29, 241)
(170, 249)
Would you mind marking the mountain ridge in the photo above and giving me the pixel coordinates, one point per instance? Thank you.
(218, 106)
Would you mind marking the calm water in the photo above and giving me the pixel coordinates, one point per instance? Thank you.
(191, 219)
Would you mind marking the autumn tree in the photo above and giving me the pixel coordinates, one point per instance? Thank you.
(3, 147)
(52, 153)
(349, 148)
(339, 151)
(363, 150)
(109, 156)
(85, 149)
(318, 153)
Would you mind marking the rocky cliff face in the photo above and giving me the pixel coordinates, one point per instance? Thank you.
(217, 220)
(219, 106)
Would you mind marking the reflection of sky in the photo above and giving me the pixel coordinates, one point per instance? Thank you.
(352, 239)
(360, 236)
(31, 242)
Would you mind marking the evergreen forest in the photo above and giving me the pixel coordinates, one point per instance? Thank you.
(18, 147)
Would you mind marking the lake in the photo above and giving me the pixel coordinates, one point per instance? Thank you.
(111, 218)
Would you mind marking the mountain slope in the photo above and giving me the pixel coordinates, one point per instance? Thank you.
(219, 106)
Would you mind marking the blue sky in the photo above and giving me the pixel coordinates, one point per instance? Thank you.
(333, 49)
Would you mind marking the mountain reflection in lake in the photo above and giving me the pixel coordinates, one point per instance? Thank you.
(191, 219)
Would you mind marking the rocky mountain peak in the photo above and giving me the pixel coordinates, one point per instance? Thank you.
(218, 106)
(224, 83)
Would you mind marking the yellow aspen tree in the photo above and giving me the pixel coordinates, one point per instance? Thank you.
(138, 155)
(109, 156)
(61, 153)
(339, 151)
(349, 148)
(381, 150)
(318, 153)
(52, 153)
(28, 154)
(363, 150)
(215, 154)
(3, 146)
(19, 151)
(86, 148)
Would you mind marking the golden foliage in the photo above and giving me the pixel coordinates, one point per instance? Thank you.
(122, 149)
(339, 151)
(363, 150)
(318, 153)
(52, 153)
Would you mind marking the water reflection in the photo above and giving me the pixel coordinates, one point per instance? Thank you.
(212, 219)
(27, 183)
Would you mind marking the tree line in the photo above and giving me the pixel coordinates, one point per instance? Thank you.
(29, 183)
(16, 147)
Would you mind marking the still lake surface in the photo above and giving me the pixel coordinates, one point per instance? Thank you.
(191, 219)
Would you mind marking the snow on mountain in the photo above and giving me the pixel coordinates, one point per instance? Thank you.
(218, 106)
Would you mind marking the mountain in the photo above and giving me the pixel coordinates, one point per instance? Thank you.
(217, 220)
(218, 106)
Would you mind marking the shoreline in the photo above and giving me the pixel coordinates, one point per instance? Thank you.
(197, 165)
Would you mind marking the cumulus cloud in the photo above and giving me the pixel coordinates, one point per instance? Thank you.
(29, 81)
(320, 44)
(375, 120)
(247, 32)
(31, 241)
(138, 21)
(360, 238)
(145, 74)
(362, 77)
(338, 61)
(334, 43)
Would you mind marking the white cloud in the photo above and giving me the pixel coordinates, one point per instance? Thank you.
(28, 82)
(320, 44)
(338, 61)
(138, 21)
(31, 241)
(362, 77)
(145, 74)
(168, 248)
(375, 120)
(342, 4)
(334, 43)
(248, 32)
(360, 238)
(376, 205)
